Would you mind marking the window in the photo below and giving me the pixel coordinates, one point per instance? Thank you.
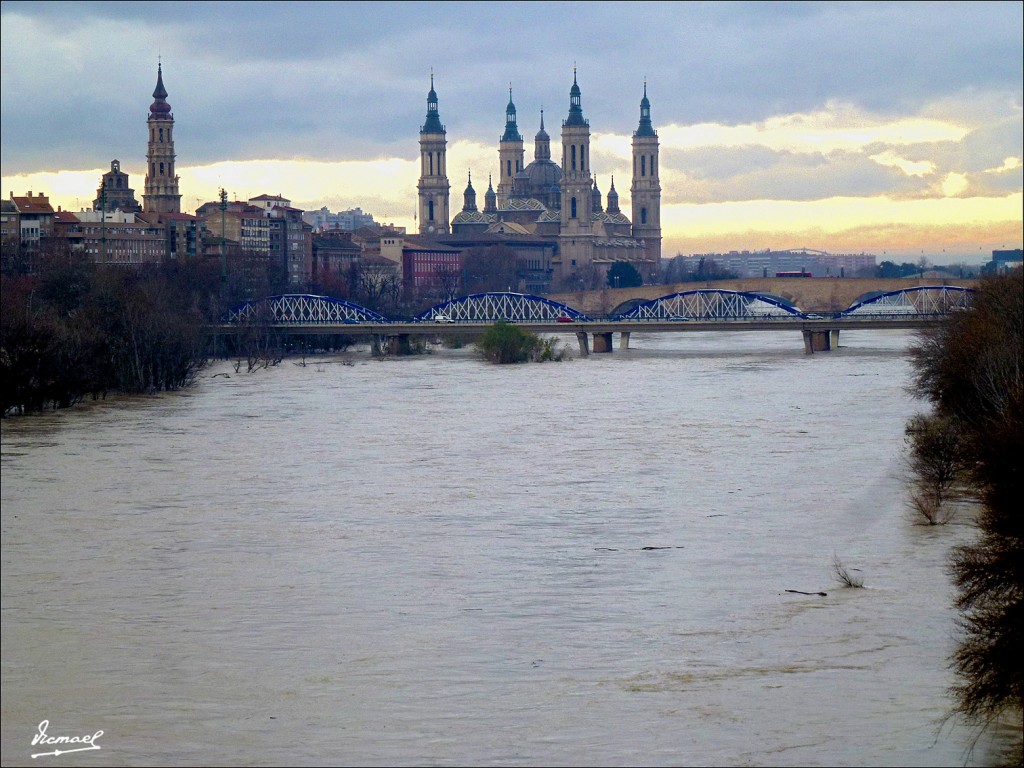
(161, 135)
(161, 169)
(573, 208)
(574, 168)
(430, 207)
(643, 165)
(431, 156)
(643, 215)
(508, 167)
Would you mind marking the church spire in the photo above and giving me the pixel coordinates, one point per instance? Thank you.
(490, 198)
(575, 107)
(511, 129)
(645, 128)
(433, 121)
(469, 198)
(160, 109)
(613, 199)
(542, 142)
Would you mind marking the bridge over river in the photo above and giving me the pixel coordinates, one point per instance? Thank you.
(699, 310)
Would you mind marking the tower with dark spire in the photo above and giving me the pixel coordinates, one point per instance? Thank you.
(646, 189)
(490, 198)
(613, 199)
(161, 191)
(434, 189)
(576, 232)
(510, 151)
(469, 196)
(542, 142)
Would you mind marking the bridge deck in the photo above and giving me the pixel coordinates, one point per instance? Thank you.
(597, 326)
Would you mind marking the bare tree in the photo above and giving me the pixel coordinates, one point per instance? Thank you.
(970, 368)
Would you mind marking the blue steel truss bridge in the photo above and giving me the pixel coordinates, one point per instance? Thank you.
(704, 309)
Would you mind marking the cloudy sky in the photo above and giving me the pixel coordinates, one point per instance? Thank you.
(890, 128)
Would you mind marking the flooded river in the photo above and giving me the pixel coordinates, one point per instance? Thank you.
(438, 561)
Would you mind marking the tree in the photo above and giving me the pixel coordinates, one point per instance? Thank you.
(972, 370)
(376, 286)
(622, 274)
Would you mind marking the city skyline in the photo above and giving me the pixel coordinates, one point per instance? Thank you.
(892, 128)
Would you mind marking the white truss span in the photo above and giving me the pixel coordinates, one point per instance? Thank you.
(302, 309)
(922, 300)
(710, 305)
(492, 307)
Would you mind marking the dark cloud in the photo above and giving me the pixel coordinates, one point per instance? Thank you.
(349, 80)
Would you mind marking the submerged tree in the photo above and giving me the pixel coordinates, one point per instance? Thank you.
(506, 343)
(972, 370)
(936, 465)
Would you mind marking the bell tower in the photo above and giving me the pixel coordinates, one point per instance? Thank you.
(646, 189)
(433, 187)
(510, 152)
(577, 230)
(161, 191)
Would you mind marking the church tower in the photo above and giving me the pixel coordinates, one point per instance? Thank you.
(161, 195)
(576, 231)
(433, 186)
(646, 190)
(510, 152)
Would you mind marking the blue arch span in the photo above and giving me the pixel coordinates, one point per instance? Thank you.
(706, 303)
(302, 309)
(496, 306)
(921, 300)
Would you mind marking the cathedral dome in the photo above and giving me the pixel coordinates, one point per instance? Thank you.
(539, 176)
(540, 180)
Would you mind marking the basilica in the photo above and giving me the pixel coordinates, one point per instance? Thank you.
(545, 202)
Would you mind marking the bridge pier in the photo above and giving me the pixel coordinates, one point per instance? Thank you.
(399, 345)
(602, 342)
(817, 341)
(835, 338)
(624, 340)
(581, 336)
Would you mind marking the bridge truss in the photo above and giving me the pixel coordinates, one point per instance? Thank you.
(494, 307)
(713, 304)
(302, 309)
(925, 300)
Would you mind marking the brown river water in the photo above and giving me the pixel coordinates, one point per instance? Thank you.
(437, 561)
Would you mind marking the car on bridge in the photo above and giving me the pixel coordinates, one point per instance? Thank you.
(564, 319)
(440, 318)
(678, 318)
